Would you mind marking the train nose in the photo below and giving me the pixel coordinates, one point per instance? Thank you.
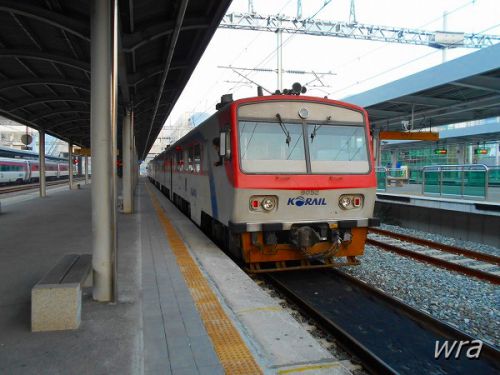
(304, 237)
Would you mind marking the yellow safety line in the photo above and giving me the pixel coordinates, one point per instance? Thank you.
(308, 368)
(233, 354)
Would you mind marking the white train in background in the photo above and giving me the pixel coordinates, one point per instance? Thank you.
(20, 171)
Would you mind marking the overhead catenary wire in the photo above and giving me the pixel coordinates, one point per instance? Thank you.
(287, 40)
(385, 45)
(223, 74)
(400, 65)
(269, 56)
(243, 50)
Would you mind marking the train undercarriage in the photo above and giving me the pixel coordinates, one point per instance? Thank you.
(302, 247)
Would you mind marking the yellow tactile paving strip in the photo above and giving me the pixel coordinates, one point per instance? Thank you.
(233, 354)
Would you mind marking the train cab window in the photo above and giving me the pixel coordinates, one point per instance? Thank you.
(338, 148)
(270, 147)
(197, 158)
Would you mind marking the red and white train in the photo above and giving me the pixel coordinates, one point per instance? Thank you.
(23, 171)
(278, 180)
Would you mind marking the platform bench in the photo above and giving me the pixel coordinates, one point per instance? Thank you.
(56, 300)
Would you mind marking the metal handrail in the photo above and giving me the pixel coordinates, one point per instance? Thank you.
(458, 168)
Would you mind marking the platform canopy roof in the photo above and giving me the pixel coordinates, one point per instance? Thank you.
(463, 89)
(45, 61)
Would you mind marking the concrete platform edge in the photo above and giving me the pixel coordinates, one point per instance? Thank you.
(277, 340)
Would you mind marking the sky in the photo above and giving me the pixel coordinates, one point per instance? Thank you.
(356, 65)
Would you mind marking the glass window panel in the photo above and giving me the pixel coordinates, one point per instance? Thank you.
(337, 149)
(190, 159)
(264, 147)
(197, 158)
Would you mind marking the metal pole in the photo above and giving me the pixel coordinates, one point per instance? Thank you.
(70, 164)
(127, 165)
(103, 204)
(41, 163)
(114, 132)
(79, 166)
(440, 181)
(445, 27)
(133, 155)
(86, 170)
(134, 161)
(486, 183)
(377, 148)
(423, 181)
(279, 54)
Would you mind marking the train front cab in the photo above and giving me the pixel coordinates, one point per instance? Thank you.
(302, 169)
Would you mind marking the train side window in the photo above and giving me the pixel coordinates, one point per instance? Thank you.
(190, 161)
(197, 158)
(178, 159)
(185, 164)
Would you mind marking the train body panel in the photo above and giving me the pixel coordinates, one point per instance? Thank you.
(294, 181)
(27, 170)
(13, 170)
(295, 206)
(51, 171)
(62, 170)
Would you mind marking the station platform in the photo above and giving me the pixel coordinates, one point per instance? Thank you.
(183, 306)
(415, 190)
(465, 218)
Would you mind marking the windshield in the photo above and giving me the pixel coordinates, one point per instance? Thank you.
(274, 147)
(337, 148)
(264, 147)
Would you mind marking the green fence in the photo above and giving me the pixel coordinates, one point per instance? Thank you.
(381, 173)
(469, 180)
(494, 176)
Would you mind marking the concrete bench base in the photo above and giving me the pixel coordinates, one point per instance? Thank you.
(56, 300)
(56, 307)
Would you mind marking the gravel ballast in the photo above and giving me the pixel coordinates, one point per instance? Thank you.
(482, 248)
(469, 304)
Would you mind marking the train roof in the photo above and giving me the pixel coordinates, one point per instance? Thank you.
(11, 159)
(24, 154)
(268, 98)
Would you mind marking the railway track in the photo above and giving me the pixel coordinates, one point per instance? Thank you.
(472, 263)
(16, 188)
(388, 336)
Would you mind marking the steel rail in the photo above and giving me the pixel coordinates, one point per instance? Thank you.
(370, 360)
(440, 246)
(492, 278)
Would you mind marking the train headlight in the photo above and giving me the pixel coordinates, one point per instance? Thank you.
(348, 202)
(263, 203)
(345, 202)
(268, 204)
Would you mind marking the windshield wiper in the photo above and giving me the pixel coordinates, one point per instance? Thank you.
(285, 130)
(316, 128)
(313, 134)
